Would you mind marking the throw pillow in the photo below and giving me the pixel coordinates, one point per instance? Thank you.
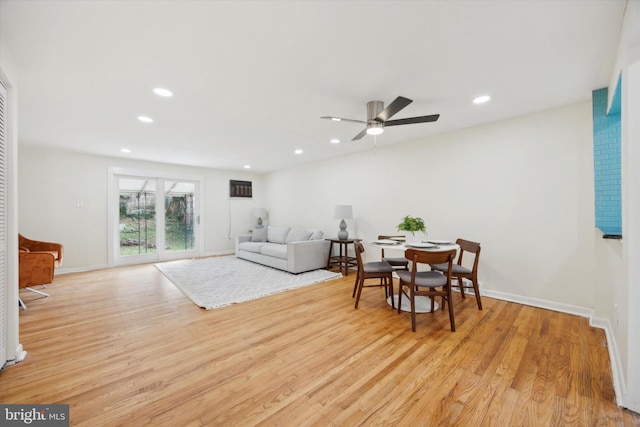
(277, 234)
(316, 234)
(297, 235)
(259, 235)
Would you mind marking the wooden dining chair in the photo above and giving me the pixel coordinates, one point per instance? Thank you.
(431, 283)
(461, 272)
(400, 263)
(372, 270)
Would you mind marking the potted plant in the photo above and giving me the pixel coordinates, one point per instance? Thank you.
(412, 224)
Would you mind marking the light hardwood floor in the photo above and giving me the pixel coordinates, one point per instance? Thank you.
(125, 347)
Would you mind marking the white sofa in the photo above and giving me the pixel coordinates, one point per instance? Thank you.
(295, 250)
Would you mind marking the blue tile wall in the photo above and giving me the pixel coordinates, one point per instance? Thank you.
(607, 162)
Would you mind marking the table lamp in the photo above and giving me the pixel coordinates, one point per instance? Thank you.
(343, 212)
(259, 213)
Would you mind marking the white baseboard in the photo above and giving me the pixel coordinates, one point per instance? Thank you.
(540, 303)
(614, 356)
(63, 270)
(231, 252)
(596, 322)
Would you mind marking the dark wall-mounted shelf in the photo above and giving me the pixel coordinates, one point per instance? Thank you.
(612, 236)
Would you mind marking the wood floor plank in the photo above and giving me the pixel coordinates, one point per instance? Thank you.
(125, 347)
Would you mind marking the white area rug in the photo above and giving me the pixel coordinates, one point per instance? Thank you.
(220, 281)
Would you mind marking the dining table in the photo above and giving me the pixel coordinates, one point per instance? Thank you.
(423, 304)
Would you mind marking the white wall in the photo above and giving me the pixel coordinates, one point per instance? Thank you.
(51, 182)
(521, 187)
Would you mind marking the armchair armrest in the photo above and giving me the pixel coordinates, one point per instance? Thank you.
(35, 268)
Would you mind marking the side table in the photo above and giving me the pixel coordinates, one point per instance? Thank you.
(343, 260)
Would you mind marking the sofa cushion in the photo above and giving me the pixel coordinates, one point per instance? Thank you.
(275, 250)
(259, 235)
(298, 235)
(315, 234)
(277, 234)
(251, 246)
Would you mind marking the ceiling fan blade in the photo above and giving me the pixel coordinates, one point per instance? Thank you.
(340, 119)
(398, 104)
(411, 120)
(360, 135)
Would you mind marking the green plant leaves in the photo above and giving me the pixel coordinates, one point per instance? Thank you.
(412, 224)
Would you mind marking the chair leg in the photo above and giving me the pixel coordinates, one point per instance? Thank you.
(21, 304)
(389, 290)
(453, 324)
(476, 290)
(399, 294)
(37, 292)
(461, 286)
(412, 297)
(360, 284)
(355, 285)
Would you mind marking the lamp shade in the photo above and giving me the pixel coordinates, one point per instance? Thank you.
(343, 212)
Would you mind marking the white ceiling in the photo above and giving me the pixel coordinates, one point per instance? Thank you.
(252, 78)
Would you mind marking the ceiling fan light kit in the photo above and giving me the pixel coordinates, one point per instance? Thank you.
(378, 117)
(374, 129)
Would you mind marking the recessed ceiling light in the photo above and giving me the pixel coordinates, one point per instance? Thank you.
(336, 119)
(298, 151)
(481, 99)
(247, 166)
(163, 92)
(335, 141)
(145, 119)
(125, 150)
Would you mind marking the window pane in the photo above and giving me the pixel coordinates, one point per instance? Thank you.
(137, 216)
(178, 216)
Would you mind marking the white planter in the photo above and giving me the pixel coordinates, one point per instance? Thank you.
(416, 237)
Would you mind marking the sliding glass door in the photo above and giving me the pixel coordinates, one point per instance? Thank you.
(179, 220)
(156, 219)
(137, 224)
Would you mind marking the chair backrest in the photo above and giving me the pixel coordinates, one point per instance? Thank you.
(384, 236)
(359, 248)
(416, 256)
(471, 247)
(41, 246)
(430, 257)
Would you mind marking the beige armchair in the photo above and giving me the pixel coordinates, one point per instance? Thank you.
(37, 262)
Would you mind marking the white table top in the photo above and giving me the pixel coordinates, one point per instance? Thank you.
(426, 245)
